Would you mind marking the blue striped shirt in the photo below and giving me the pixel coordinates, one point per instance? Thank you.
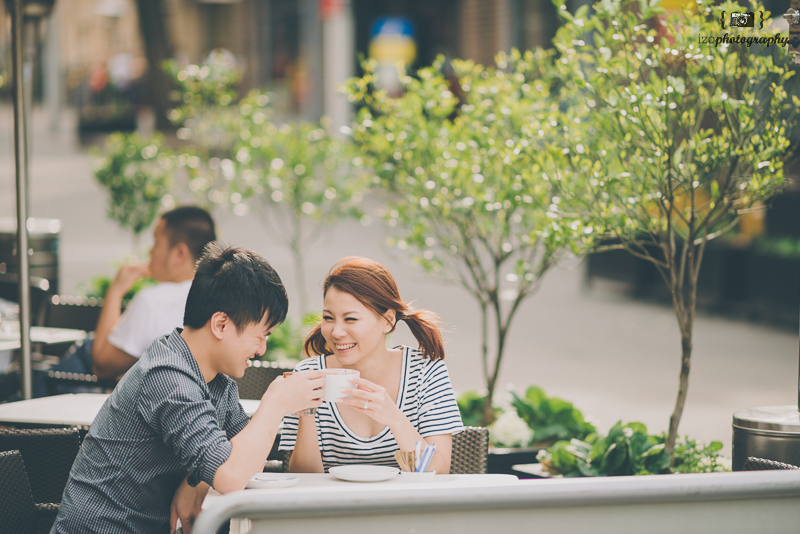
(161, 422)
(425, 397)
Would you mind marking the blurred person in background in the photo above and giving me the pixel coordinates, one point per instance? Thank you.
(121, 337)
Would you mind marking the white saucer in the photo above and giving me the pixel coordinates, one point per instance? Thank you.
(272, 480)
(363, 473)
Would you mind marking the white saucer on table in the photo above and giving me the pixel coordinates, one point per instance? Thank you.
(364, 473)
(272, 480)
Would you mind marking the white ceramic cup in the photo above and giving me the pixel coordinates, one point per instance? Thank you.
(335, 380)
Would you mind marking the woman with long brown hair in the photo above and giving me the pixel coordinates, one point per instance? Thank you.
(403, 394)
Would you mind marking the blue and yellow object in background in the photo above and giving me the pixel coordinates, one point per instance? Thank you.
(392, 45)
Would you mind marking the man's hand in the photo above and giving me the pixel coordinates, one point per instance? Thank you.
(186, 505)
(128, 275)
(295, 393)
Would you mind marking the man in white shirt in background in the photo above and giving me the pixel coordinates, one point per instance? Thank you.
(120, 338)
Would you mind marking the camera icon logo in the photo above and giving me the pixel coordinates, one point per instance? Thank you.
(743, 20)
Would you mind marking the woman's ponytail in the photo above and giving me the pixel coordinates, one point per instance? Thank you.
(424, 326)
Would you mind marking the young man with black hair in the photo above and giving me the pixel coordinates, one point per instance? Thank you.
(174, 426)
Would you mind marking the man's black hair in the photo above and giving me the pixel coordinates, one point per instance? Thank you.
(237, 282)
(191, 225)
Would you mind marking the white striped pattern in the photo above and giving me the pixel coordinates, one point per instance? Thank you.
(426, 398)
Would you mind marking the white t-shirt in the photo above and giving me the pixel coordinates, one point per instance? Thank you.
(153, 312)
(426, 398)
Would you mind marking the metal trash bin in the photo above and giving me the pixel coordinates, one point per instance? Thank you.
(770, 432)
(44, 236)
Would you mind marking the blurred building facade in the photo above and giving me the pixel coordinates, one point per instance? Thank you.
(300, 49)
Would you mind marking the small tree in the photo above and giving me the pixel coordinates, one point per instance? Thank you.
(299, 178)
(137, 173)
(207, 122)
(469, 181)
(683, 137)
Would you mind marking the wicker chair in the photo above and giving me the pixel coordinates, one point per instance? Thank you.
(18, 512)
(470, 451)
(48, 453)
(760, 464)
(80, 313)
(257, 379)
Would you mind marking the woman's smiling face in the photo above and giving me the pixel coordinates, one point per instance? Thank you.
(352, 330)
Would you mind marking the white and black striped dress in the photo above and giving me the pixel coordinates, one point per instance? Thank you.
(425, 397)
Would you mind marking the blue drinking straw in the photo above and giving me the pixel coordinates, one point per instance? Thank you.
(426, 458)
(417, 455)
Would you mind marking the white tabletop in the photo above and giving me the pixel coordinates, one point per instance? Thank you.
(42, 334)
(78, 409)
(327, 483)
(320, 491)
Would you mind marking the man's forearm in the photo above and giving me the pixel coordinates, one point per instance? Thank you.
(109, 316)
(250, 449)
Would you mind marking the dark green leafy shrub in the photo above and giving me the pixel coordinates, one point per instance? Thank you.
(138, 175)
(470, 404)
(692, 457)
(550, 418)
(629, 450)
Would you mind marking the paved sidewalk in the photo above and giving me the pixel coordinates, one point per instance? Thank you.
(614, 358)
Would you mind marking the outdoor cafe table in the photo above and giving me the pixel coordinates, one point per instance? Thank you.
(73, 409)
(325, 490)
(41, 334)
(704, 503)
(9, 340)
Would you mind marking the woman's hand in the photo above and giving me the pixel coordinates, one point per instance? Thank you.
(373, 400)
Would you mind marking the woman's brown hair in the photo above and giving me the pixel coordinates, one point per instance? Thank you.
(372, 285)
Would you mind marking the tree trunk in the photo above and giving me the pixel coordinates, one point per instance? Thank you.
(683, 388)
(488, 413)
(155, 36)
(299, 268)
(685, 300)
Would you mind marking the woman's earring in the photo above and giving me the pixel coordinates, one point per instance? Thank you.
(327, 347)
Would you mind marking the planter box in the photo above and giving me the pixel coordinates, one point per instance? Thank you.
(501, 461)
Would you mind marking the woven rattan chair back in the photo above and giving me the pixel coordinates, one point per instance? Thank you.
(257, 379)
(753, 463)
(48, 453)
(470, 451)
(16, 501)
(80, 313)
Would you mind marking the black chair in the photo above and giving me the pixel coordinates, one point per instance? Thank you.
(470, 451)
(48, 453)
(64, 311)
(40, 288)
(86, 382)
(80, 313)
(19, 514)
(257, 379)
(753, 463)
